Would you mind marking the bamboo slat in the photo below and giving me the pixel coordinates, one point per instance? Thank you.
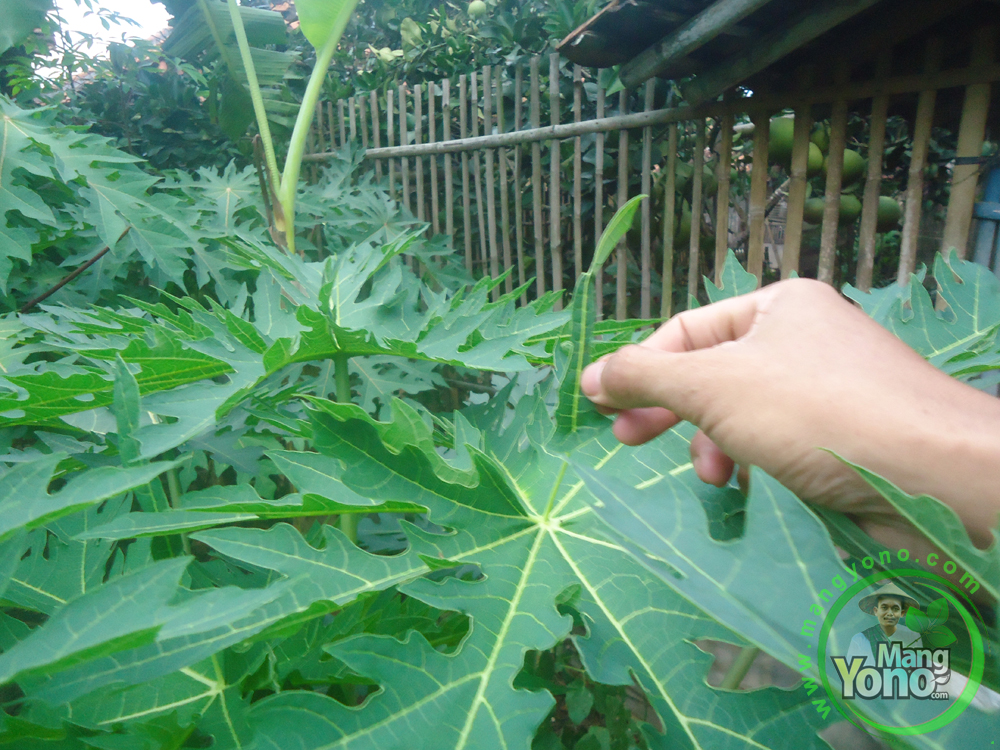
(318, 127)
(536, 180)
(477, 177)
(463, 130)
(797, 187)
(971, 131)
(555, 181)
(599, 203)
(330, 124)
(363, 122)
(418, 137)
(404, 163)
(504, 198)
(343, 123)
(918, 160)
(621, 290)
(376, 133)
(449, 186)
(518, 194)
(491, 196)
(352, 115)
(697, 210)
(431, 136)
(873, 185)
(758, 195)
(722, 196)
(669, 212)
(390, 127)
(834, 179)
(645, 290)
(577, 175)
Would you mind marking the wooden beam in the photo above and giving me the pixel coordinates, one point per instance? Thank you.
(732, 70)
(662, 57)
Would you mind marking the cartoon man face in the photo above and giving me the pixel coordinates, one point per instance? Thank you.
(888, 611)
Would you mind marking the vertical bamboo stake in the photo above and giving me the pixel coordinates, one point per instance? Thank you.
(518, 195)
(318, 125)
(536, 180)
(404, 163)
(758, 195)
(431, 138)
(363, 122)
(918, 159)
(797, 186)
(329, 121)
(555, 181)
(449, 185)
(504, 200)
(722, 196)
(491, 197)
(876, 148)
(376, 133)
(353, 117)
(669, 209)
(645, 291)
(971, 131)
(463, 107)
(390, 126)
(621, 290)
(343, 123)
(418, 135)
(577, 175)
(697, 211)
(834, 180)
(599, 202)
(478, 177)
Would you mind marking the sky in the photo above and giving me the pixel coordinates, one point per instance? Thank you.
(152, 18)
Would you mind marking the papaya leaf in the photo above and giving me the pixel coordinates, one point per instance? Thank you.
(735, 281)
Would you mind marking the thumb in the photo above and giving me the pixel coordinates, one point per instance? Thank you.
(638, 376)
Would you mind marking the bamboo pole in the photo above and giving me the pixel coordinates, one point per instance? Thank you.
(971, 131)
(873, 185)
(431, 137)
(645, 290)
(758, 195)
(418, 137)
(376, 132)
(390, 127)
(330, 123)
(621, 289)
(318, 127)
(404, 167)
(797, 186)
(449, 186)
(722, 195)
(599, 203)
(463, 130)
(504, 197)
(491, 197)
(363, 122)
(555, 181)
(352, 117)
(343, 122)
(577, 175)
(697, 210)
(834, 179)
(669, 212)
(477, 176)
(536, 180)
(518, 195)
(918, 159)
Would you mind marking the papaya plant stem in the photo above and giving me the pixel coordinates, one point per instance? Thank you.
(255, 95)
(739, 668)
(173, 494)
(348, 522)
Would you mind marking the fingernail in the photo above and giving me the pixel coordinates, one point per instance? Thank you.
(590, 380)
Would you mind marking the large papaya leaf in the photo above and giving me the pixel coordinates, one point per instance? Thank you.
(21, 18)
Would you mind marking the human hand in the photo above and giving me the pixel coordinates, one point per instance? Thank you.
(773, 377)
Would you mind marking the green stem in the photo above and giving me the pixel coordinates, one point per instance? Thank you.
(739, 668)
(251, 71)
(173, 493)
(348, 521)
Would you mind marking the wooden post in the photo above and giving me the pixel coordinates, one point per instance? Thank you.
(390, 127)
(463, 131)
(330, 123)
(404, 168)
(363, 122)
(669, 209)
(491, 196)
(318, 128)
(536, 180)
(797, 186)
(343, 123)
(834, 181)
(555, 181)
(504, 198)
(599, 201)
(876, 149)
(577, 175)
(376, 133)
(725, 152)
(431, 137)
(697, 211)
(645, 291)
(518, 195)
(758, 194)
(353, 118)
(918, 159)
(449, 187)
(621, 289)
(418, 137)
(477, 176)
(971, 131)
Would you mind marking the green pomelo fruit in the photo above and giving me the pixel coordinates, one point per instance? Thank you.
(782, 131)
(477, 9)
(812, 212)
(889, 214)
(821, 136)
(850, 209)
(815, 160)
(855, 165)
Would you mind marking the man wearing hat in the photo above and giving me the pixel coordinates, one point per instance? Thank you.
(889, 604)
